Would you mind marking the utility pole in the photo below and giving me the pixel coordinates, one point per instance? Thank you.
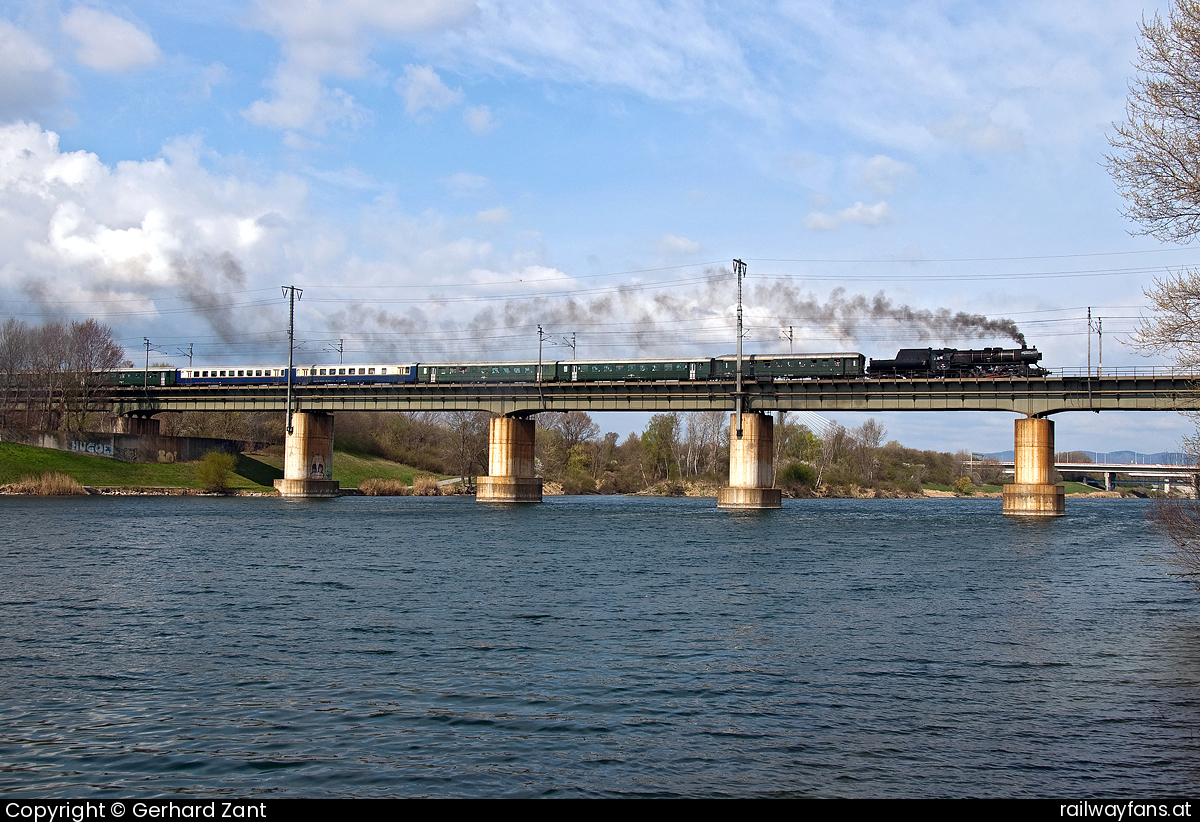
(293, 294)
(570, 344)
(1089, 371)
(146, 373)
(739, 268)
(788, 335)
(541, 336)
(341, 344)
(1100, 344)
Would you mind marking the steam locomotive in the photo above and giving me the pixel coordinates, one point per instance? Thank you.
(950, 362)
(909, 363)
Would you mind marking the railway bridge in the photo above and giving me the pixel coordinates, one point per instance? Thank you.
(309, 449)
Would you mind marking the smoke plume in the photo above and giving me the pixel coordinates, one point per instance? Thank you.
(844, 316)
(697, 318)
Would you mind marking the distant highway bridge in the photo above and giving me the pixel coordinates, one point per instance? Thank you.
(1162, 472)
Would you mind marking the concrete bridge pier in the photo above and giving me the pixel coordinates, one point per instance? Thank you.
(1032, 494)
(141, 426)
(510, 463)
(751, 465)
(308, 457)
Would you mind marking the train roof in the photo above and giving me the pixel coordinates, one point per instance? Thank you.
(796, 356)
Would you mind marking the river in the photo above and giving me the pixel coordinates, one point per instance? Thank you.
(592, 646)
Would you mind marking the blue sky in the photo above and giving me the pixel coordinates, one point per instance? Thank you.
(442, 177)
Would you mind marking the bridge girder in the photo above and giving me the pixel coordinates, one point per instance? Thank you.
(1034, 396)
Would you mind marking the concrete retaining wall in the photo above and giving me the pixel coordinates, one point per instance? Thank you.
(125, 447)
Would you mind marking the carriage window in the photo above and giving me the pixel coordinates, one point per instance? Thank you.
(370, 370)
(341, 371)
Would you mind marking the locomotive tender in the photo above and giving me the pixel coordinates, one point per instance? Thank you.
(909, 363)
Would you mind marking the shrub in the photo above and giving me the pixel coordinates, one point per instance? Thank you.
(380, 487)
(216, 470)
(797, 475)
(49, 484)
(425, 485)
(963, 485)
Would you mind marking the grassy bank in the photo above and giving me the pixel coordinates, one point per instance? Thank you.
(253, 472)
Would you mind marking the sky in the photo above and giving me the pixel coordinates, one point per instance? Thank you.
(442, 178)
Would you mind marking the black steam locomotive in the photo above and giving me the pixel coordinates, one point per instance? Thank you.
(950, 362)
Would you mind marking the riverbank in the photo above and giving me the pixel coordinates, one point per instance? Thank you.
(254, 473)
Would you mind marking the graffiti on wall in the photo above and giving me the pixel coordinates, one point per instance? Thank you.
(99, 449)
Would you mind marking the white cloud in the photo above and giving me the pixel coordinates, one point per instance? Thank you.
(161, 229)
(479, 119)
(28, 79)
(671, 244)
(330, 38)
(812, 170)
(214, 74)
(464, 184)
(109, 43)
(882, 174)
(671, 51)
(422, 88)
(494, 216)
(868, 215)
(299, 142)
(301, 102)
(978, 133)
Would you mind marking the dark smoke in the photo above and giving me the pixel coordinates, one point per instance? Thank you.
(644, 321)
(842, 315)
(204, 280)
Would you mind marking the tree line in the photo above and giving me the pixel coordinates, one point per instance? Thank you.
(53, 376)
(673, 452)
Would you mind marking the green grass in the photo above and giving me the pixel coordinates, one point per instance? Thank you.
(351, 469)
(254, 472)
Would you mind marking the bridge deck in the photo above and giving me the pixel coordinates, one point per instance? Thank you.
(1035, 396)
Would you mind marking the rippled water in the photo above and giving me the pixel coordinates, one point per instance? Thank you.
(591, 646)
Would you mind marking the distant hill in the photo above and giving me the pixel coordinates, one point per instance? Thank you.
(1129, 457)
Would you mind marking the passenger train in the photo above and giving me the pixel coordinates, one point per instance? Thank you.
(909, 363)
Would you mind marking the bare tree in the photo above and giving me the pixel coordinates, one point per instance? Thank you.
(705, 437)
(1156, 151)
(834, 446)
(91, 356)
(14, 366)
(467, 444)
(1178, 519)
(49, 357)
(866, 440)
(575, 426)
(1156, 166)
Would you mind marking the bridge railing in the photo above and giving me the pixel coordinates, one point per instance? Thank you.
(1128, 371)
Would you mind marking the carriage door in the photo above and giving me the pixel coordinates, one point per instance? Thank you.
(691, 371)
(574, 373)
